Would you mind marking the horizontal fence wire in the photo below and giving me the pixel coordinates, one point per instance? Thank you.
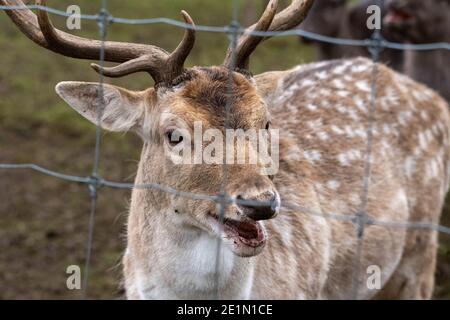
(359, 219)
(228, 30)
(100, 182)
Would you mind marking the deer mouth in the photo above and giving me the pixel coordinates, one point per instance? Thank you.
(398, 17)
(243, 232)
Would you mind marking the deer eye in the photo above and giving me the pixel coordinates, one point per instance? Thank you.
(173, 137)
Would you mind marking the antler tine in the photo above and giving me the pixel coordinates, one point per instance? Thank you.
(26, 21)
(132, 66)
(180, 54)
(78, 47)
(287, 19)
(171, 67)
(134, 57)
(292, 16)
(248, 43)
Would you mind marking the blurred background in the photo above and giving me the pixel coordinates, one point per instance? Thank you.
(43, 220)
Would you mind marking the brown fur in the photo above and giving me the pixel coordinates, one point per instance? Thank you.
(322, 113)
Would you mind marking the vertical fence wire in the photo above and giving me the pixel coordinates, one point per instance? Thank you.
(102, 23)
(362, 215)
(224, 203)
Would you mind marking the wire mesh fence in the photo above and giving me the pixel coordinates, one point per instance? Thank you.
(360, 219)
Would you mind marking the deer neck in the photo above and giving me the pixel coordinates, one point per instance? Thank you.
(174, 260)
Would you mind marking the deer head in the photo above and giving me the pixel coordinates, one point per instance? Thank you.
(164, 115)
(418, 21)
(337, 18)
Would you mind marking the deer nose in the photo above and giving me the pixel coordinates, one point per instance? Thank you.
(259, 209)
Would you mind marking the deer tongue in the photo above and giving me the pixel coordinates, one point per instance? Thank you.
(249, 232)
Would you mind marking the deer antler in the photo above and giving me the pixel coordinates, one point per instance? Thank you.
(287, 19)
(134, 57)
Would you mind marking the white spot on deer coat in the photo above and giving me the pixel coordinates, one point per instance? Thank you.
(400, 201)
(424, 115)
(315, 124)
(312, 155)
(360, 104)
(337, 130)
(350, 132)
(322, 135)
(311, 107)
(433, 169)
(423, 143)
(325, 92)
(355, 199)
(363, 86)
(343, 93)
(358, 68)
(349, 78)
(404, 117)
(351, 155)
(340, 69)
(339, 84)
(322, 75)
(410, 166)
(307, 83)
(333, 184)
(342, 109)
(429, 136)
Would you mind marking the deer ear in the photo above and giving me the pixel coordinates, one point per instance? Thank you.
(120, 110)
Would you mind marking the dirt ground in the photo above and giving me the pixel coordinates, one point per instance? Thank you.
(44, 221)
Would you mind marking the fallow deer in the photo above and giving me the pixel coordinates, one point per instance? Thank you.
(419, 22)
(322, 111)
(335, 18)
